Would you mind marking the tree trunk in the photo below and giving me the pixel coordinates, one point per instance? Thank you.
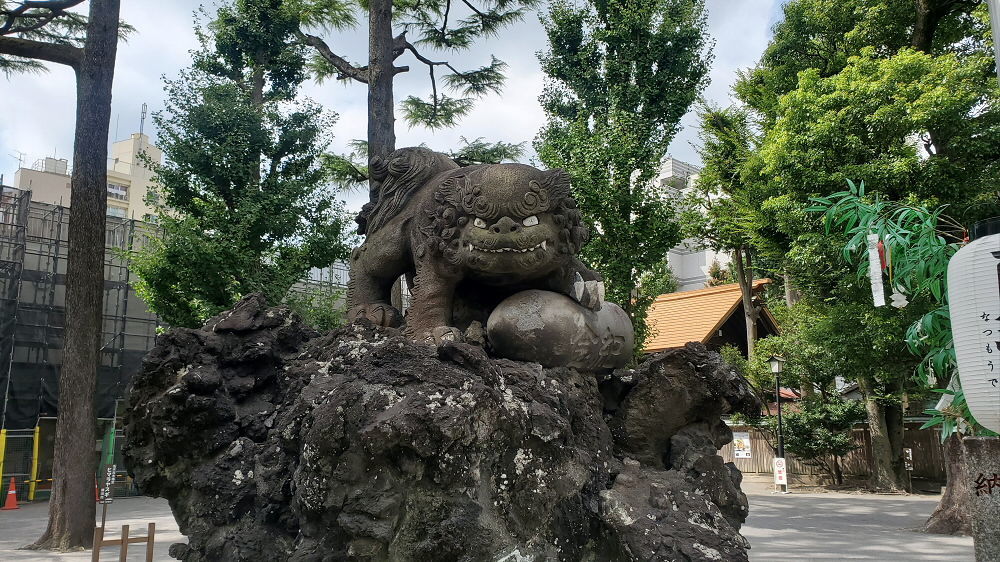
(894, 430)
(883, 475)
(922, 36)
(744, 276)
(71, 508)
(838, 473)
(257, 85)
(381, 114)
(792, 297)
(381, 119)
(953, 513)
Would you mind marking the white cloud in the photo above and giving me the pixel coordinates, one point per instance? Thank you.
(40, 108)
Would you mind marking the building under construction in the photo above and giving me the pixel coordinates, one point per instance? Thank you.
(33, 252)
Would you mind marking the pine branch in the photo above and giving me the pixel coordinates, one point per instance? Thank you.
(346, 69)
(444, 22)
(427, 61)
(472, 7)
(343, 170)
(442, 112)
(479, 151)
(479, 82)
(434, 115)
(41, 50)
(56, 8)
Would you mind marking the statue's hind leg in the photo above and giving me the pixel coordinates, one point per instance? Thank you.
(373, 273)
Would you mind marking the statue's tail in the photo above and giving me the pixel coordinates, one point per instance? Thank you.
(394, 180)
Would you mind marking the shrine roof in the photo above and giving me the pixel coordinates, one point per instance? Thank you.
(693, 316)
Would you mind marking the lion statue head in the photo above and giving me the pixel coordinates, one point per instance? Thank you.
(504, 221)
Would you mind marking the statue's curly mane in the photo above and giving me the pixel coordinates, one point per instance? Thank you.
(394, 181)
(458, 197)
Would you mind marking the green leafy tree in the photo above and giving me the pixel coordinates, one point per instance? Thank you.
(912, 124)
(245, 202)
(718, 275)
(321, 307)
(820, 431)
(659, 280)
(810, 362)
(821, 340)
(32, 33)
(621, 74)
(921, 242)
(719, 211)
(895, 92)
(821, 35)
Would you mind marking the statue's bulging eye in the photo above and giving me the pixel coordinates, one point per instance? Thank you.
(530, 221)
(479, 223)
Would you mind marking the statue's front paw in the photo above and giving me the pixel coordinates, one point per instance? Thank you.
(441, 334)
(379, 313)
(588, 293)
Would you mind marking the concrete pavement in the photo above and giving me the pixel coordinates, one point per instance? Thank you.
(21, 527)
(797, 526)
(837, 526)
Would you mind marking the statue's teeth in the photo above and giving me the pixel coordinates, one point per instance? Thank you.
(543, 244)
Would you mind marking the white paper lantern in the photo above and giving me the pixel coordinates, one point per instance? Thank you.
(974, 301)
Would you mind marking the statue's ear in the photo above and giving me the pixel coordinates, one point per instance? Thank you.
(557, 184)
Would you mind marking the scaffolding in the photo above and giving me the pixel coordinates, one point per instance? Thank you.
(33, 253)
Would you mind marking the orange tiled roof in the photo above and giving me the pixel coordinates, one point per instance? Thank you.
(678, 318)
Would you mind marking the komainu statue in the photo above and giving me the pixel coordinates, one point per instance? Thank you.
(484, 246)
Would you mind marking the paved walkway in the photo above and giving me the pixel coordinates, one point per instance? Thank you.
(21, 527)
(797, 526)
(835, 526)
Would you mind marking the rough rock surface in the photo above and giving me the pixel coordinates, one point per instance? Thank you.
(274, 442)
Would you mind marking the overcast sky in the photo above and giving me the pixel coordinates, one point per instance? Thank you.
(39, 109)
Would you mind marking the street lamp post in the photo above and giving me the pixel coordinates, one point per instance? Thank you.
(776, 363)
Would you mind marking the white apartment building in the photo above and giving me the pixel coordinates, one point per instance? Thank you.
(688, 261)
(129, 178)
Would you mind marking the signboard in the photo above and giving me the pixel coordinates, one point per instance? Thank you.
(908, 458)
(780, 475)
(741, 445)
(106, 494)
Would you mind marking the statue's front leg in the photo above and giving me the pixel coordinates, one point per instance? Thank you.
(368, 290)
(581, 283)
(430, 315)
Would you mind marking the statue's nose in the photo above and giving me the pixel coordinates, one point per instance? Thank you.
(505, 226)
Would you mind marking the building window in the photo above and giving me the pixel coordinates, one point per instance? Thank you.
(118, 191)
(119, 212)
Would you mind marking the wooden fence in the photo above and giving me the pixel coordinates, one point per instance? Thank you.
(928, 455)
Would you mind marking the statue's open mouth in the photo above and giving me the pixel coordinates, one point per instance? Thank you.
(540, 245)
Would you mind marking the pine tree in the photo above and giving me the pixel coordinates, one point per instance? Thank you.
(32, 32)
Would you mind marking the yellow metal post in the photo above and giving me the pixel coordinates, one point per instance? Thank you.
(3, 448)
(34, 465)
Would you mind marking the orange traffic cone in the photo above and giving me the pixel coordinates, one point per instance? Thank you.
(11, 502)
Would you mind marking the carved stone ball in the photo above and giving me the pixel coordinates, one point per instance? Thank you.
(555, 331)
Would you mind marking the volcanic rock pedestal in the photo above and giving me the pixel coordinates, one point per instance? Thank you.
(274, 442)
